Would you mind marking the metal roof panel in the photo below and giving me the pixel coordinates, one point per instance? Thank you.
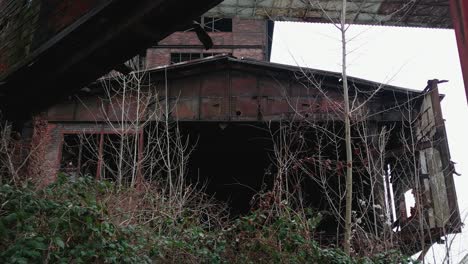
(408, 13)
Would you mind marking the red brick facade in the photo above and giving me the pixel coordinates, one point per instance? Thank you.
(249, 38)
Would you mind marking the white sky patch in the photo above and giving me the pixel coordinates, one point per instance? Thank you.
(409, 201)
(405, 57)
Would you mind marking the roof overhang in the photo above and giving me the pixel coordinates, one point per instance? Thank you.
(92, 43)
(224, 60)
(408, 13)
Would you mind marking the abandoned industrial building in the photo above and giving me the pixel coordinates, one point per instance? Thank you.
(232, 110)
(235, 121)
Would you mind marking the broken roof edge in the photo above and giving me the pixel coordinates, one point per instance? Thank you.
(402, 13)
(278, 66)
(376, 24)
(367, 25)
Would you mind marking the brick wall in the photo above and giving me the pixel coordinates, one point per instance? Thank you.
(42, 154)
(157, 57)
(257, 54)
(247, 39)
(44, 163)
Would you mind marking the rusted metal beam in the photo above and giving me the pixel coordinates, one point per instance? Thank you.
(103, 36)
(459, 11)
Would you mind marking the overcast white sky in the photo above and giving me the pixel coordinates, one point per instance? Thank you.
(405, 57)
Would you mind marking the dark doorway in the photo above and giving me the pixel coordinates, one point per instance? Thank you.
(232, 159)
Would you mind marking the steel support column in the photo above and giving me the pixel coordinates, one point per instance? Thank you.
(459, 11)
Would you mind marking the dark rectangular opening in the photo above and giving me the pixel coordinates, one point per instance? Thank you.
(79, 154)
(215, 24)
(187, 56)
(110, 156)
(183, 56)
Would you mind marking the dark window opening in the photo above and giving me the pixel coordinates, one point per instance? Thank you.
(138, 62)
(182, 56)
(79, 154)
(214, 24)
(107, 156)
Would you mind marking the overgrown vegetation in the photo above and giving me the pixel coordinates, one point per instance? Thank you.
(145, 210)
(81, 222)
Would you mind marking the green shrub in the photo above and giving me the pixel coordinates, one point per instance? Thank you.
(61, 223)
(70, 222)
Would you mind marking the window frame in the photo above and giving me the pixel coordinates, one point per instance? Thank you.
(100, 144)
(214, 24)
(194, 55)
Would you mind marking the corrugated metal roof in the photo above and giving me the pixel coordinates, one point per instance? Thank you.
(408, 13)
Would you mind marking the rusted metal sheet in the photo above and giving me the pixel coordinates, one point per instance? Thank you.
(459, 11)
(64, 111)
(227, 89)
(233, 95)
(422, 13)
(87, 109)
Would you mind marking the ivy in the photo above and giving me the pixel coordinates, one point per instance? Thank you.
(61, 223)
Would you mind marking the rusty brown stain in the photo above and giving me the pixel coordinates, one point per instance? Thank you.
(461, 20)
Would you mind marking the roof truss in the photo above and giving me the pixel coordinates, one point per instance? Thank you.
(410, 13)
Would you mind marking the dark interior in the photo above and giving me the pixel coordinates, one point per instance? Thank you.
(232, 159)
(235, 161)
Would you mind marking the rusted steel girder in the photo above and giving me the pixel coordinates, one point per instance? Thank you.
(459, 11)
(51, 48)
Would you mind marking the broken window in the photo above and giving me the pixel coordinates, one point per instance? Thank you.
(138, 62)
(215, 24)
(79, 154)
(113, 157)
(183, 56)
(180, 57)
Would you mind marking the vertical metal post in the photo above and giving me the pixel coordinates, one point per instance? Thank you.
(459, 11)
